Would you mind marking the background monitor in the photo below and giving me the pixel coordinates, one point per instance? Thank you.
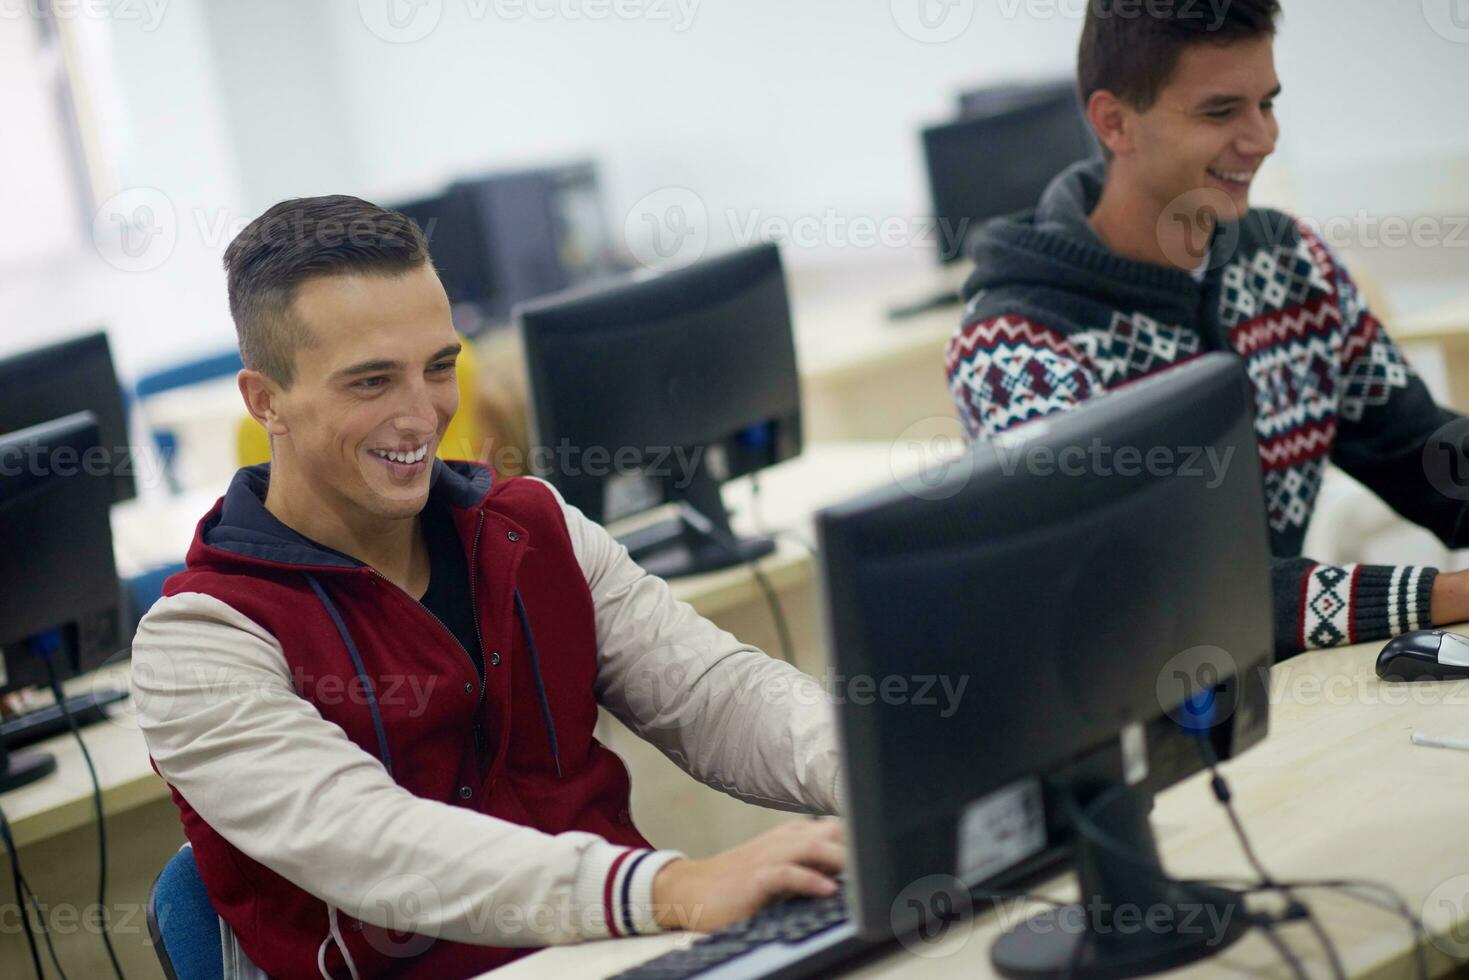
(503, 239)
(1083, 577)
(59, 591)
(1000, 155)
(73, 376)
(655, 390)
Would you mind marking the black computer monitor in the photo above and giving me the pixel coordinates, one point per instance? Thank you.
(1077, 582)
(504, 238)
(72, 376)
(657, 390)
(999, 156)
(59, 592)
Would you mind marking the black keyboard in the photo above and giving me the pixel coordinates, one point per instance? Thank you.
(43, 723)
(797, 938)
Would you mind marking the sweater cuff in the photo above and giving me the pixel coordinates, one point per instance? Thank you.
(614, 890)
(1361, 603)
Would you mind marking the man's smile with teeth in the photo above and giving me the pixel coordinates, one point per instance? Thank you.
(1235, 176)
(413, 456)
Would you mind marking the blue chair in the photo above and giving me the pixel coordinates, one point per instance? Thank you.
(191, 940)
(209, 368)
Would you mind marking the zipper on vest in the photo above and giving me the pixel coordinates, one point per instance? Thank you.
(479, 729)
(479, 732)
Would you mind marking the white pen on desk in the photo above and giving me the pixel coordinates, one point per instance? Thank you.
(1437, 742)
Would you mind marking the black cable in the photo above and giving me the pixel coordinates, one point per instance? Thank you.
(1088, 828)
(21, 891)
(35, 904)
(97, 805)
(782, 629)
(1225, 796)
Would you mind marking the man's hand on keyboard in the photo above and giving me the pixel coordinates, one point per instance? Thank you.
(801, 857)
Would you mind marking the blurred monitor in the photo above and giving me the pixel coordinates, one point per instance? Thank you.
(1091, 630)
(59, 592)
(1000, 155)
(657, 390)
(503, 239)
(73, 376)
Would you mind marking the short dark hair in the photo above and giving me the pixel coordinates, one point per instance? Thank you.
(1131, 47)
(297, 240)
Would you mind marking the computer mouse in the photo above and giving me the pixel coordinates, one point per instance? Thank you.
(1424, 655)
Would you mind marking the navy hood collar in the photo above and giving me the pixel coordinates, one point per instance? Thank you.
(1053, 248)
(242, 525)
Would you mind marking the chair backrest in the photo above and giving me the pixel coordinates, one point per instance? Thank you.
(183, 924)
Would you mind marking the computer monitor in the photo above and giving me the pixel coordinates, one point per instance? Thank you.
(59, 592)
(502, 239)
(657, 390)
(73, 376)
(1000, 155)
(1079, 603)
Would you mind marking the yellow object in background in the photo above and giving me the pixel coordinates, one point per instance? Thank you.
(462, 440)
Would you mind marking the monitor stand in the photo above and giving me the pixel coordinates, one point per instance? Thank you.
(20, 768)
(698, 539)
(1120, 898)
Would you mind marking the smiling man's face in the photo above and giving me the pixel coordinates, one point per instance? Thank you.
(1212, 126)
(374, 390)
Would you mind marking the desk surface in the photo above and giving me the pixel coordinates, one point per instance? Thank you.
(1336, 790)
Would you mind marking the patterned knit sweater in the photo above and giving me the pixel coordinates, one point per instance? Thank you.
(1054, 317)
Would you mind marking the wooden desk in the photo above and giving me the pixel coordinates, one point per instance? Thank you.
(865, 376)
(1336, 790)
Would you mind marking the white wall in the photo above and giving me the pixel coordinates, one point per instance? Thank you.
(774, 108)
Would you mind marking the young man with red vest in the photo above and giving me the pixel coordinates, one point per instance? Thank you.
(373, 690)
(1133, 265)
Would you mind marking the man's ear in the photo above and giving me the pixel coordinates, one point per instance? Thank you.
(1112, 121)
(262, 400)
